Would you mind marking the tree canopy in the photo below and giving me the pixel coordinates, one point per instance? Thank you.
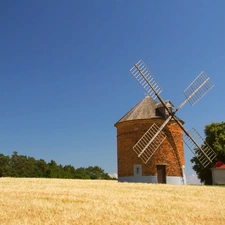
(215, 137)
(25, 166)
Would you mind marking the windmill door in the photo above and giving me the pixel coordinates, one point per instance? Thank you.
(161, 171)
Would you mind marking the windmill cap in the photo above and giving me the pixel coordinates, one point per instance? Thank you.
(167, 102)
(145, 109)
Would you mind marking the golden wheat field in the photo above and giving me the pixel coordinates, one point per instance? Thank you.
(60, 201)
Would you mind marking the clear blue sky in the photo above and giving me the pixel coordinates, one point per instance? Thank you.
(64, 71)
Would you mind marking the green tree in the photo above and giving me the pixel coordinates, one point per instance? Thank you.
(69, 172)
(82, 173)
(42, 168)
(52, 171)
(97, 173)
(18, 165)
(26, 166)
(4, 165)
(32, 167)
(215, 137)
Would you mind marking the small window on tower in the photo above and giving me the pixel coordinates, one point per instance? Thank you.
(137, 170)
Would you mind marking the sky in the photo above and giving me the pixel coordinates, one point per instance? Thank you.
(65, 80)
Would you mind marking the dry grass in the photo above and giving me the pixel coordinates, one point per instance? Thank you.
(55, 201)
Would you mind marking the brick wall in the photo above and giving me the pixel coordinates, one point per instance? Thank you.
(170, 153)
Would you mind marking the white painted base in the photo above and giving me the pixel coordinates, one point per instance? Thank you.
(152, 179)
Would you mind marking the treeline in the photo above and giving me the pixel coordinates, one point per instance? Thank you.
(25, 166)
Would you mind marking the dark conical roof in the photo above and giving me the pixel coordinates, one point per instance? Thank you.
(145, 109)
(148, 108)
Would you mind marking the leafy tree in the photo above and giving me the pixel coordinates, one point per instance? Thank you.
(32, 167)
(69, 172)
(82, 173)
(4, 165)
(97, 173)
(42, 168)
(17, 164)
(23, 166)
(52, 171)
(215, 137)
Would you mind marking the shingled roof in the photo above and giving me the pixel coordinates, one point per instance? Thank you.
(145, 109)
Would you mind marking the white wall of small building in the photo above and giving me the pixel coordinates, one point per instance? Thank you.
(218, 175)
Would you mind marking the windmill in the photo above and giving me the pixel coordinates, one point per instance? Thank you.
(148, 144)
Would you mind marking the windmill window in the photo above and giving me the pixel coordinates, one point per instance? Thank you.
(137, 170)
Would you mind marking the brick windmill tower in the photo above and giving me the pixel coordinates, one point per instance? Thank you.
(168, 160)
(150, 137)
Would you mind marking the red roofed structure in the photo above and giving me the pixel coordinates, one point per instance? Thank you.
(219, 164)
(218, 173)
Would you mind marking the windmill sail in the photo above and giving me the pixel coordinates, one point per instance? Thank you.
(204, 153)
(198, 88)
(147, 145)
(146, 79)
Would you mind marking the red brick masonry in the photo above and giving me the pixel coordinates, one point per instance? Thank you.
(170, 153)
